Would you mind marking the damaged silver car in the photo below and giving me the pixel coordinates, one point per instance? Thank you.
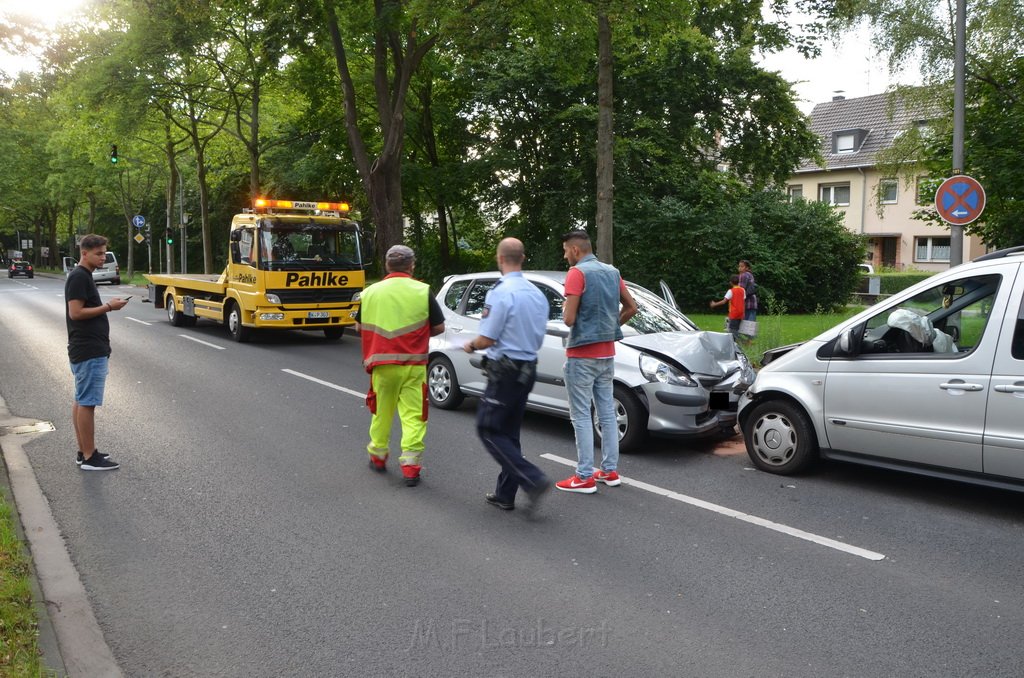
(671, 379)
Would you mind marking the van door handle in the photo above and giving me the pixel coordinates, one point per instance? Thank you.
(455, 328)
(960, 386)
(1007, 388)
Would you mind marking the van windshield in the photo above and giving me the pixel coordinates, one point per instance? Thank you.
(309, 246)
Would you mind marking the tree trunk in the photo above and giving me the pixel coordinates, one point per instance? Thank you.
(605, 139)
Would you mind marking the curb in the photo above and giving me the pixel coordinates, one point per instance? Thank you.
(70, 637)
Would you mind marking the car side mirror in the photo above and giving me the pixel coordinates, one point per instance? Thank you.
(847, 344)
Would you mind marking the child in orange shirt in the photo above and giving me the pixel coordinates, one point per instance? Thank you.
(735, 297)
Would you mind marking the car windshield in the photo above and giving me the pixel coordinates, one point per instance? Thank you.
(654, 315)
(310, 246)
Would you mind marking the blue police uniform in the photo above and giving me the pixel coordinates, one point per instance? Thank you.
(515, 318)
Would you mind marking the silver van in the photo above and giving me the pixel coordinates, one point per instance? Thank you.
(110, 271)
(930, 380)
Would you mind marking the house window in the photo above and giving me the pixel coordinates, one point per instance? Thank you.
(888, 191)
(834, 194)
(846, 143)
(795, 192)
(934, 249)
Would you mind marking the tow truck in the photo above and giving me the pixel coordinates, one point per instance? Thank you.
(292, 265)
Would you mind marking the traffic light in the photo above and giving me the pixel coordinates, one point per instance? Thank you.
(169, 237)
(113, 154)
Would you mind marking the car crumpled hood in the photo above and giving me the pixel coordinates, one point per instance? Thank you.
(707, 353)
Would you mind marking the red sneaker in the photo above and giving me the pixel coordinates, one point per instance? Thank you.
(411, 473)
(610, 478)
(576, 484)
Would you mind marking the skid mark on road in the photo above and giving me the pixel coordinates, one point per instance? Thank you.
(738, 515)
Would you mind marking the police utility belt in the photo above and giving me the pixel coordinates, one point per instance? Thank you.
(522, 370)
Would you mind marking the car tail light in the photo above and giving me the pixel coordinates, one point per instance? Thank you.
(30, 267)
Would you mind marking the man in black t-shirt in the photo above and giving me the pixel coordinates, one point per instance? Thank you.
(88, 349)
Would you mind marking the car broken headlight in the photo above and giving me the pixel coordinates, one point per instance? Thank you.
(655, 369)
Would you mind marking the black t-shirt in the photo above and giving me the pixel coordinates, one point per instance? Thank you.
(86, 338)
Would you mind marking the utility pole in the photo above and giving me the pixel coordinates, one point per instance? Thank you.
(956, 232)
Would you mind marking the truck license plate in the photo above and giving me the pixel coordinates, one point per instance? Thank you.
(318, 314)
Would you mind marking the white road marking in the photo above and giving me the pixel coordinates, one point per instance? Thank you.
(141, 322)
(204, 343)
(325, 383)
(738, 515)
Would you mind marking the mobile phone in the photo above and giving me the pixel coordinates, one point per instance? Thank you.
(129, 297)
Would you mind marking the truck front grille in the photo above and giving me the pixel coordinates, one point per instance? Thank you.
(316, 295)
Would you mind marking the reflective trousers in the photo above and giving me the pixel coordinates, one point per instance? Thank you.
(402, 388)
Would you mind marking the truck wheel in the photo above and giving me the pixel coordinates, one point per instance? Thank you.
(443, 385)
(334, 333)
(631, 418)
(780, 438)
(176, 317)
(239, 332)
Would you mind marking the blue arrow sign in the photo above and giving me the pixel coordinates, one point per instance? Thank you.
(139, 221)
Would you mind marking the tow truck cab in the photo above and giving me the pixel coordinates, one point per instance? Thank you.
(291, 265)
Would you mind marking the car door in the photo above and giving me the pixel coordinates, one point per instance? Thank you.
(549, 390)
(466, 326)
(903, 401)
(1004, 435)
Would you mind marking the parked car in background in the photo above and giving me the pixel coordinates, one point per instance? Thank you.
(109, 272)
(670, 377)
(19, 267)
(930, 380)
(866, 268)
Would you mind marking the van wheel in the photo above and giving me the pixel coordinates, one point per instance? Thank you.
(334, 333)
(239, 332)
(442, 384)
(631, 418)
(176, 317)
(779, 438)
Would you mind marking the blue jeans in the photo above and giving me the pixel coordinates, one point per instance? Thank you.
(586, 380)
(90, 379)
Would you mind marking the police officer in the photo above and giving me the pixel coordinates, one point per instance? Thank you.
(511, 331)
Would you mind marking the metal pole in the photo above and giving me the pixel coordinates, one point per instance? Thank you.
(956, 233)
(181, 220)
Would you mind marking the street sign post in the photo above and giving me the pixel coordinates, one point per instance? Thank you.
(960, 200)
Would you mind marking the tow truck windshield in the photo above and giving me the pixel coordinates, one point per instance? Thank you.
(309, 246)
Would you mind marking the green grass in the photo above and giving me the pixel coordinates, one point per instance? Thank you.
(19, 648)
(777, 330)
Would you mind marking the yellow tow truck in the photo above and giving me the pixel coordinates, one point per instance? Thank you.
(292, 265)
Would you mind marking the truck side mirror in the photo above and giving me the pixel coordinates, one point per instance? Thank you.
(236, 235)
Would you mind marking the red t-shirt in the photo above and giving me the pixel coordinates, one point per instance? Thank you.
(736, 302)
(575, 283)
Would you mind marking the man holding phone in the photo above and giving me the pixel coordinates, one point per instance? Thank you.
(89, 349)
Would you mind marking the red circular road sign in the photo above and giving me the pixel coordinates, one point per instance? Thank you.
(960, 200)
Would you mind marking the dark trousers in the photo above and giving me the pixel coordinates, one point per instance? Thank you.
(498, 420)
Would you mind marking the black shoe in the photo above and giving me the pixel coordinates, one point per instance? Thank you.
(80, 458)
(493, 500)
(412, 482)
(535, 494)
(97, 462)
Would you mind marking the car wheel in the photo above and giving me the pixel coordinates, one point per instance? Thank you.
(31, 275)
(631, 418)
(174, 316)
(779, 438)
(117, 281)
(442, 384)
(334, 333)
(239, 332)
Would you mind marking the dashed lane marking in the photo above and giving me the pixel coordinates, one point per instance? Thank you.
(738, 515)
(200, 341)
(141, 322)
(325, 383)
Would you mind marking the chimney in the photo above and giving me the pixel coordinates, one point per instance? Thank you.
(839, 97)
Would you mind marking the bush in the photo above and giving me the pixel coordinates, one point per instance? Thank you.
(803, 257)
(891, 283)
